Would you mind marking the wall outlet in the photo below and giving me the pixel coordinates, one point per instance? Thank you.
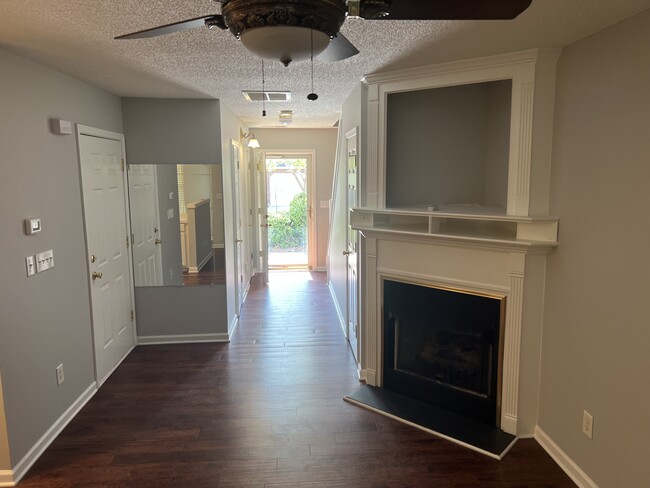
(60, 377)
(588, 424)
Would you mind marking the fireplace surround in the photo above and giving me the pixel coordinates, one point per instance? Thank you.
(463, 245)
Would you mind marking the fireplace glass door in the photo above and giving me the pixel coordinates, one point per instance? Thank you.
(442, 347)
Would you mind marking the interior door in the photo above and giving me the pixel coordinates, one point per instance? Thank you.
(238, 227)
(263, 216)
(145, 225)
(352, 244)
(105, 212)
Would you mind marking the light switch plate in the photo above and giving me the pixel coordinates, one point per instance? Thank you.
(31, 267)
(170, 213)
(44, 261)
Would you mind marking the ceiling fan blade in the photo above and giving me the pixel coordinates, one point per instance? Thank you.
(209, 20)
(456, 9)
(338, 49)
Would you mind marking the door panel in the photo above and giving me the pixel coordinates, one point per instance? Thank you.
(145, 225)
(106, 231)
(352, 244)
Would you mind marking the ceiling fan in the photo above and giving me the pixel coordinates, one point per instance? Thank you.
(297, 30)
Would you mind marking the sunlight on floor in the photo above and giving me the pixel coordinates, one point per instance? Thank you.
(286, 277)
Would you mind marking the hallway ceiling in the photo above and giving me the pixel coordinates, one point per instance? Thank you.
(76, 37)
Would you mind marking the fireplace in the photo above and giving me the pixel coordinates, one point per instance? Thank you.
(444, 347)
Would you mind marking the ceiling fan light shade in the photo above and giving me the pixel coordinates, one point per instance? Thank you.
(284, 43)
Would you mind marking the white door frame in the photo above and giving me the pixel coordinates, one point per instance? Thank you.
(235, 150)
(105, 134)
(312, 228)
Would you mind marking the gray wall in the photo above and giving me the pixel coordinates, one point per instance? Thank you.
(172, 131)
(437, 147)
(323, 141)
(181, 310)
(596, 341)
(170, 229)
(169, 131)
(44, 319)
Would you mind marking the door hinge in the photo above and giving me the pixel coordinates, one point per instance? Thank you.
(261, 254)
(259, 167)
(132, 315)
(122, 165)
(127, 242)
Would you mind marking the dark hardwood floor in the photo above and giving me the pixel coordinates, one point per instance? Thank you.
(266, 410)
(214, 271)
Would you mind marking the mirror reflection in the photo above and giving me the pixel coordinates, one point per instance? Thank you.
(176, 224)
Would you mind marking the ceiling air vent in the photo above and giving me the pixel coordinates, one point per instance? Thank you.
(268, 96)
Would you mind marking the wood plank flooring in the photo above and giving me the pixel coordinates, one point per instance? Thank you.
(265, 411)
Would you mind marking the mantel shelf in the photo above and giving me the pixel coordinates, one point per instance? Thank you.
(476, 224)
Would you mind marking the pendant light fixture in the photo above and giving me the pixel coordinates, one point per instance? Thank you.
(312, 96)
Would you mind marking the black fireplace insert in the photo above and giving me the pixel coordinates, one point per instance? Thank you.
(443, 347)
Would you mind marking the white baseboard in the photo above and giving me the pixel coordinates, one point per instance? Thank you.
(35, 452)
(108, 375)
(338, 310)
(181, 339)
(233, 325)
(574, 472)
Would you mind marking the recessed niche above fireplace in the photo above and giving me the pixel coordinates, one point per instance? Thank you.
(449, 145)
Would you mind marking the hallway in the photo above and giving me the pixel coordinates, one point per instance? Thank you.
(265, 410)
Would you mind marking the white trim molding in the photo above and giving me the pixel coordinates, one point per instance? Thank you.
(233, 326)
(182, 339)
(339, 314)
(567, 464)
(43, 443)
(6, 478)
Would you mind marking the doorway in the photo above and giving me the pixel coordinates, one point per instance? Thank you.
(289, 210)
(101, 156)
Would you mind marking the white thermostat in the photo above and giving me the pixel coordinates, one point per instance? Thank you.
(32, 226)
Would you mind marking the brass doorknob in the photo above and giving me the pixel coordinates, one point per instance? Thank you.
(157, 241)
(238, 241)
(347, 253)
(97, 274)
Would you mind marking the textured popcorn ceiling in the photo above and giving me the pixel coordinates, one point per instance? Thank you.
(76, 37)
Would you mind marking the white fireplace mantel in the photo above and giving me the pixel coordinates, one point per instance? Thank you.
(496, 251)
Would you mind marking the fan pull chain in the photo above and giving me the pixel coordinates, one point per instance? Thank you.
(312, 96)
(263, 91)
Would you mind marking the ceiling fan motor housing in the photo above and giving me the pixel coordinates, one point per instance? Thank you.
(326, 16)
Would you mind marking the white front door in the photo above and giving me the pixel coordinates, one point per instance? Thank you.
(352, 240)
(102, 162)
(145, 224)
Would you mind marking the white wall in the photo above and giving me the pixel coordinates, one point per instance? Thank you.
(44, 319)
(323, 141)
(596, 340)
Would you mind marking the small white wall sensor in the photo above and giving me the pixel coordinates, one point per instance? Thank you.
(32, 226)
(61, 127)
